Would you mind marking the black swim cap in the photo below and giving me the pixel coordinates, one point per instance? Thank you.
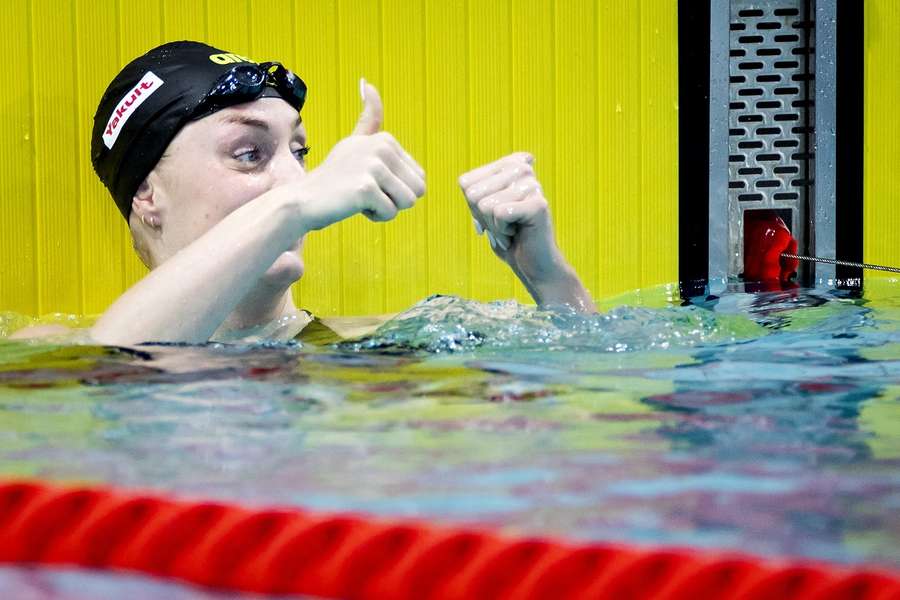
(146, 105)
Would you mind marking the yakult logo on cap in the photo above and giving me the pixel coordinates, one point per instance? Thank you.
(148, 84)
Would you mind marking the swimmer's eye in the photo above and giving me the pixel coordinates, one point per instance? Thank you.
(248, 156)
(300, 154)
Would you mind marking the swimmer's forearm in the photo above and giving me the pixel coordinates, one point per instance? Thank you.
(188, 296)
(563, 286)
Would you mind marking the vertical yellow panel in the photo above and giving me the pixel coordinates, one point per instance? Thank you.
(575, 202)
(619, 168)
(881, 208)
(490, 121)
(533, 102)
(362, 244)
(228, 25)
(140, 29)
(447, 122)
(659, 142)
(272, 32)
(56, 161)
(403, 76)
(317, 64)
(102, 224)
(185, 20)
(18, 245)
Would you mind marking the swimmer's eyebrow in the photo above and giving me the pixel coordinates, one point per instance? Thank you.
(258, 123)
(249, 121)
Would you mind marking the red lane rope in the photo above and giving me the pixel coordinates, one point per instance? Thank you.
(288, 551)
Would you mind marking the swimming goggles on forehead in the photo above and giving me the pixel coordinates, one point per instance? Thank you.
(247, 82)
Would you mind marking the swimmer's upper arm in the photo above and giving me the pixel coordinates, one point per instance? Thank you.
(39, 331)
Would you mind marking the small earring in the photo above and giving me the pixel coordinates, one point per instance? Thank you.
(144, 221)
(153, 224)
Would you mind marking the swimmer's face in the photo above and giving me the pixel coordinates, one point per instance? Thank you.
(221, 162)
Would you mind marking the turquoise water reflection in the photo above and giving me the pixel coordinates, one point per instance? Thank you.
(768, 423)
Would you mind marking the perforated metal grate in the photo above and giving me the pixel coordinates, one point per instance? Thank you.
(771, 98)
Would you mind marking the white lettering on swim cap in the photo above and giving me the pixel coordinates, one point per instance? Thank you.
(148, 84)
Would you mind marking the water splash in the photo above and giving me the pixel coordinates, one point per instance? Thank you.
(450, 324)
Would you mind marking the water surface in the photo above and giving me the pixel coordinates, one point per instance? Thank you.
(768, 423)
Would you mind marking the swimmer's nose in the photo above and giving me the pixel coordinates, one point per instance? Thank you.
(286, 168)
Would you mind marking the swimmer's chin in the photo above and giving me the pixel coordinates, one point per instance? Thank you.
(286, 269)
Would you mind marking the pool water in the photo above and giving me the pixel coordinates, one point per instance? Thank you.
(77, 584)
(768, 423)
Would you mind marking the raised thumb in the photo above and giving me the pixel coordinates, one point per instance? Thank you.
(373, 111)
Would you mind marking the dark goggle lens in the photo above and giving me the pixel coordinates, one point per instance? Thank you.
(240, 82)
(287, 83)
(246, 82)
(248, 75)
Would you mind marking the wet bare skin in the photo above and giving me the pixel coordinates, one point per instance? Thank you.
(225, 212)
(223, 216)
(218, 164)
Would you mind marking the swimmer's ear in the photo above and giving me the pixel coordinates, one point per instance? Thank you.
(144, 190)
(143, 205)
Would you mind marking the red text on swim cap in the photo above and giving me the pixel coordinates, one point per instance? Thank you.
(148, 84)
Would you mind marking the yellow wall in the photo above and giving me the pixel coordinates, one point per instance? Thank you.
(589, 86)
(881, 210)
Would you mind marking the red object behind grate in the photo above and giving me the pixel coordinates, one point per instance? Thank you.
(765, 238)
(349, 556)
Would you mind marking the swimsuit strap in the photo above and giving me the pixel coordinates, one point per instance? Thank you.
(317, 333)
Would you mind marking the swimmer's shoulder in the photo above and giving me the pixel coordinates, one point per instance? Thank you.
(39, 331)
(321, 330)
(52, 331)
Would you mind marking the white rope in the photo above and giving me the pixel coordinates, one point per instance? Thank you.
(842, 263)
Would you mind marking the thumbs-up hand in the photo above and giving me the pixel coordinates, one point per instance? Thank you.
(368, 172)
(372, 116)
